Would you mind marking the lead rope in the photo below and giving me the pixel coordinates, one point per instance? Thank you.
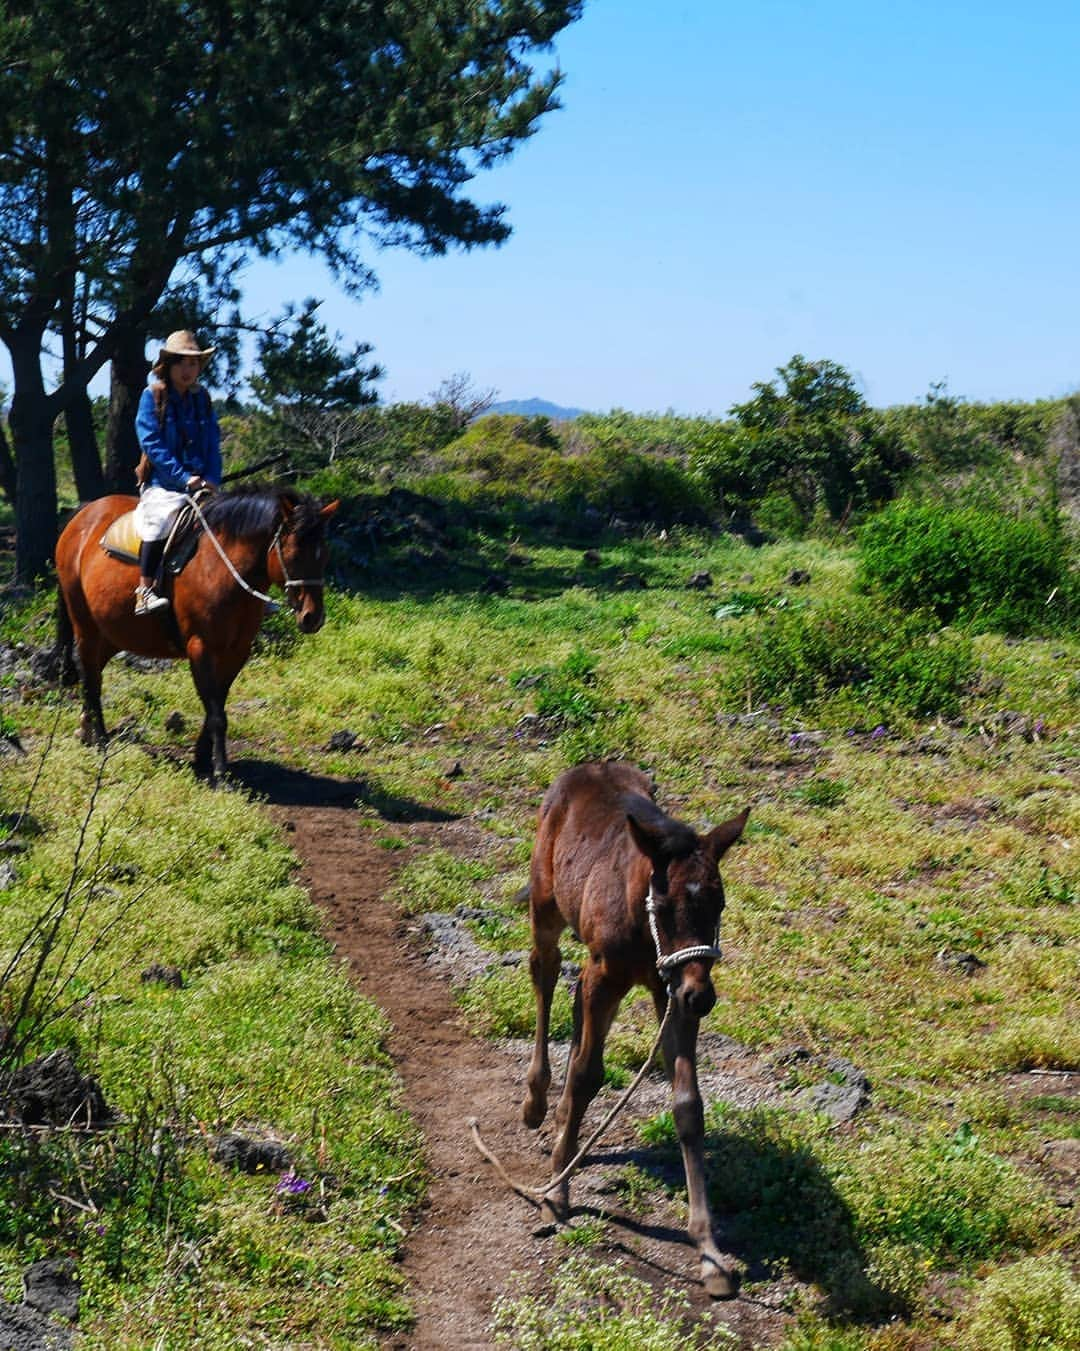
(664, 964)
(529, 1193)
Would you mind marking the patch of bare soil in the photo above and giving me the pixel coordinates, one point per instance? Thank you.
(474, 1234)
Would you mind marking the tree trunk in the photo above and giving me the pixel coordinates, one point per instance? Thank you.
(35, 478)
(126, 384)
(7, 467)
(85, 460)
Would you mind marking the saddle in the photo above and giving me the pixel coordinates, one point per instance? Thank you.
(121, 540)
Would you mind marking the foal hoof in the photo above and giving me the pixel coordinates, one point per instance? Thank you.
(718, 1282)
(533, 1113)
(554, 1210)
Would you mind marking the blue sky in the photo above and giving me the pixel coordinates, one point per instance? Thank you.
(896, 188)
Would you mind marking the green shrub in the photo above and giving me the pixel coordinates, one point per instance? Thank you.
(902, 663)
(981, 568)
(521, 466)
(1031, 1306)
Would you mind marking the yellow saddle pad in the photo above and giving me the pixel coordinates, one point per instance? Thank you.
(121, 540)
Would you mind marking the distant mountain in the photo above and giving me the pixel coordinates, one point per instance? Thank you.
(536, 408)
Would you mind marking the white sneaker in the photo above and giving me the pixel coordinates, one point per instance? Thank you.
(147, 601)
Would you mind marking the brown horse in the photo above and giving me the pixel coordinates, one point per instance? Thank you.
(268, 537)
(644, 895)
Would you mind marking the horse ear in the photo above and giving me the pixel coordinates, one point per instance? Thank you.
(647, 838)
(330, 508)
(719, 840)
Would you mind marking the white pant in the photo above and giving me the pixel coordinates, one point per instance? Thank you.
(155, 512)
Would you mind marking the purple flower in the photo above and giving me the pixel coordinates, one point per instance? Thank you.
(878, 733)
(1039, 727)
(794, 738)
(291, 1184)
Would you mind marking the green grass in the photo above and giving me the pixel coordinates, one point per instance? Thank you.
(265, 1034)
(879, 836)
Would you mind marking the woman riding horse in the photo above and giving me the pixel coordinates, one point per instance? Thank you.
(181, 444)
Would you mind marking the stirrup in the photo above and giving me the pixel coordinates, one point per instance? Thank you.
(147, 601)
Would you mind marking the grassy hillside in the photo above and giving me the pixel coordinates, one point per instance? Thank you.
(905, 898)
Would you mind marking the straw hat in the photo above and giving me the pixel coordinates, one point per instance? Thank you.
(182, 343)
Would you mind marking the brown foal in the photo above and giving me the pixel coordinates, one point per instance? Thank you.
(643, 893)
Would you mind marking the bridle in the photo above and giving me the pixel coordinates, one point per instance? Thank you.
(275, 544)
(666, 963)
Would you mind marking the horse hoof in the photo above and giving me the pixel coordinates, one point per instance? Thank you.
(718, 1283)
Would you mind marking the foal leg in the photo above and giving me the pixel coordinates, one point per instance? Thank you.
(718, 1274)
(544, 960)
(598, 998)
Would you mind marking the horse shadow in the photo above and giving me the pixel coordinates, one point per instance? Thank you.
(283, 786)
(775, 1209)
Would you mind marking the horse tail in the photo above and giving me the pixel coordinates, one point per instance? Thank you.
(63, 653)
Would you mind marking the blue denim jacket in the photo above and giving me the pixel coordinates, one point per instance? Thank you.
(186, 442)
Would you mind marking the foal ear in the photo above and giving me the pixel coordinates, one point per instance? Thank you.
(721, 838)
(330, 508)
(648, 838)
(661, 839)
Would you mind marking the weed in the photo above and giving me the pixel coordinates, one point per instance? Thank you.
(597, 1307)
(822, 792)
(584, 1234)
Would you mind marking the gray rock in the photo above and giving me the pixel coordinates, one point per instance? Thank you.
(51, 1286)
(23, 1329)
(840, 1097)
(51, 1091)
(341, 741)
(964, 963)
(248, 1155)
(157, 974)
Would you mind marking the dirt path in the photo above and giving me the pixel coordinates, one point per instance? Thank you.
(472, 1233)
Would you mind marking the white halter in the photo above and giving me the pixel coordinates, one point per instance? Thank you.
(667, 963)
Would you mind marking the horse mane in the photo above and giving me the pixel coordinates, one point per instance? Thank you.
(253, 510)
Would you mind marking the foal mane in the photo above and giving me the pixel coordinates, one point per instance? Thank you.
(248, 511)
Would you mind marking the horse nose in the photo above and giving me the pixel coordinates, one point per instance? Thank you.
(311, 621)
(697, 997)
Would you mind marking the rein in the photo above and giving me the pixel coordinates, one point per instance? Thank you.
(275, 544)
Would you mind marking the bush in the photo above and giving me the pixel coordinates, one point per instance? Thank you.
(973, 566)
(898, 662)
(510, 463)
(807, 437)
(1031, 1306)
